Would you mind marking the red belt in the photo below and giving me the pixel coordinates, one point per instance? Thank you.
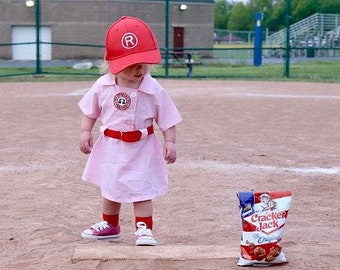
(128, 136)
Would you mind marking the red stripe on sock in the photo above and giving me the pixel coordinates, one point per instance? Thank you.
(111, 219)
(147, 220)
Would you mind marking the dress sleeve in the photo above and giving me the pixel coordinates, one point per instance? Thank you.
(89, 104)
(167, 112)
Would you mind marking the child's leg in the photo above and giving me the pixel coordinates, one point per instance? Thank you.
(111, 212)
(144, 223)
(143, 212)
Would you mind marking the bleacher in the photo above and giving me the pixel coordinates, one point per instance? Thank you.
(318, 30)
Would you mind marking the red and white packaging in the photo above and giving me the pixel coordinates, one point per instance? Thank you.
(264, 216)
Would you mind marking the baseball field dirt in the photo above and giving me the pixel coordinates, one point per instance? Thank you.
(236, 136)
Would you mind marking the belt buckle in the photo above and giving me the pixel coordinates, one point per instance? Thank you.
(131, 136)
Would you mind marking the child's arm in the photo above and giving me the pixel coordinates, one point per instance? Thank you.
(169, 148)
(86, 140)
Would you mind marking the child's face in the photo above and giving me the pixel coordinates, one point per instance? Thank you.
(133, 73)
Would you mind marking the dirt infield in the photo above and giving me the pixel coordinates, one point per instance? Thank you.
(236, 136)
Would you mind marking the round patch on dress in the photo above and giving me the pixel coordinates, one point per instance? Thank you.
(122, 101)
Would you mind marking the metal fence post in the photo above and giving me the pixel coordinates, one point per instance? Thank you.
(37, 43)
(166, 32)
(287, 56)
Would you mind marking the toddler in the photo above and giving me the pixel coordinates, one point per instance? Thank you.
(127, 161)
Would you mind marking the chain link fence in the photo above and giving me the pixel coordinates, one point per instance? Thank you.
(314, 44)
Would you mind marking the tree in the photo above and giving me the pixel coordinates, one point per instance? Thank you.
(276, 20)
(240, 18)
(222, 10)
(263, 6)
(303, 9)
(329, 6)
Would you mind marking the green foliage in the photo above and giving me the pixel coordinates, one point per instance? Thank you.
(303, 9)
(222, 13)
(263, 6)
(329, 6)
(238, 16)
(276, 20)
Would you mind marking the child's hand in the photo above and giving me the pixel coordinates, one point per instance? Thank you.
(169, 152)
(86, 142)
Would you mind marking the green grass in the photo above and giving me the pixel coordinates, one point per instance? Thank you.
(314, 71)
(49, 74)
(225, 71)
(317, 70)
(233, 46)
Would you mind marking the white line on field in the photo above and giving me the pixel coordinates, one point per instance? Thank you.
(259, 95)
(33, 167)
(202, 164)
(81, 92)
(217, 165)
(78, 92)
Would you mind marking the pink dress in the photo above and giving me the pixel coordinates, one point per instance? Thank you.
(128, 172)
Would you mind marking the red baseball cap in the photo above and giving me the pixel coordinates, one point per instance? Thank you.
(130, 41)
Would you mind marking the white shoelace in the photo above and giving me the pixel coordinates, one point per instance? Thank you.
(100, 226)
(143, 230)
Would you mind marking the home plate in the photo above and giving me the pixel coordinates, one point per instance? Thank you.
(173, 253)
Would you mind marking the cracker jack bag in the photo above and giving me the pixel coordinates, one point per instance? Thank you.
(263, 215)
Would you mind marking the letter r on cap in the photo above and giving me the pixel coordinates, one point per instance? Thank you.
(129, 41)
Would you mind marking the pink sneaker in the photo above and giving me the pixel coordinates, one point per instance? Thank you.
(144, 235)
(101, 230)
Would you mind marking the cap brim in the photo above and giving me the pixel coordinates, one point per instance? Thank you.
(148, 57)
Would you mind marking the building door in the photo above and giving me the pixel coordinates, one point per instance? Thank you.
(23, 34)
(179, 41)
